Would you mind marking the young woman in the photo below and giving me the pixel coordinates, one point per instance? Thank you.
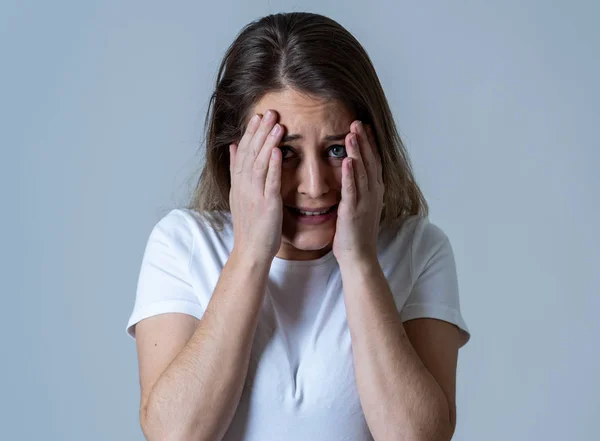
(303, 294)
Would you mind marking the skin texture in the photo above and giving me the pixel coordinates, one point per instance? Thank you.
(191, 377)
(310, 174)
(405, 375)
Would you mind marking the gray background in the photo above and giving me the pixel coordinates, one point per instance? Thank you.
(102, 106)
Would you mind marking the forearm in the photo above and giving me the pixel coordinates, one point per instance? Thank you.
(400, 398)
(197, 395)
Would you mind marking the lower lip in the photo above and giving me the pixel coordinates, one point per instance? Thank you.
(313, 220)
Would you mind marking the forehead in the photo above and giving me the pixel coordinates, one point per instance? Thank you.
(299, 112)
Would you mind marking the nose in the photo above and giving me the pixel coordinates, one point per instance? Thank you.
(314, 178)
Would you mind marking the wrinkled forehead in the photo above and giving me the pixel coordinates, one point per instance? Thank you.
(306, 115)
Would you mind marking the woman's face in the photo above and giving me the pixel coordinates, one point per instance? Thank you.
(311, 174)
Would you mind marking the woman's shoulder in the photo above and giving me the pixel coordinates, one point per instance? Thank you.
(189, 225)
(414, 235)
(414, 228)
(215, 224)
(193, 235)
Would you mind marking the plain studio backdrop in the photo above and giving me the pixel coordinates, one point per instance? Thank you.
(102, 108)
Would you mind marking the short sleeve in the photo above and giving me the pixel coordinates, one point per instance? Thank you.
(434, 293)
(164, 279)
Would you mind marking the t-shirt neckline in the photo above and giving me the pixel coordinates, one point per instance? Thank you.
(280, 263)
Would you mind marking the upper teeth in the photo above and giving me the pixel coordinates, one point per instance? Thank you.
(313, 213)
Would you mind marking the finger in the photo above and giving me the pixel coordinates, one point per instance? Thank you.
(244, 143)
(361, 177)
(232, 153)
(373, 143)
(265, 127)
(367, 154)
(273, 179)
(349, 191)
(261, 164)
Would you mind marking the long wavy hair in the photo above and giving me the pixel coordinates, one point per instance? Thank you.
(314, 55)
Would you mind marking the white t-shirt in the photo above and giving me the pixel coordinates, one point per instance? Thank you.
(300, 383)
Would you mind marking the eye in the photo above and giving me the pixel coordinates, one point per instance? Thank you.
(284, 149)
(339, 151)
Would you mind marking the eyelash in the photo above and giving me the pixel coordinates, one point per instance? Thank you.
(283, 147)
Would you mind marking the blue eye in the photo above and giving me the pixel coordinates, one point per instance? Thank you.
(340, 149)
(339, 152)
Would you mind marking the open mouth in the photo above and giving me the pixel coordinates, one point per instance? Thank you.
(322, 213)
(313, 218)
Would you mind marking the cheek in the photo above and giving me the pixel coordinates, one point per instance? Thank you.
(335, 178)
(287, 181)
(337, 173)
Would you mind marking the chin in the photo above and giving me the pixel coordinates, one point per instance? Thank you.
(311, 240)
(310, 245)
(306, 241)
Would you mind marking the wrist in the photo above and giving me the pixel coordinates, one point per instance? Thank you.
(358, 262)
(250, 261)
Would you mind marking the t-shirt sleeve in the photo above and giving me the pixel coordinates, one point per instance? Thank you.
(434, 292)
(164, 279)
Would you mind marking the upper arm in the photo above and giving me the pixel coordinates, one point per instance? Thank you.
(159, 339)
(434, 293)
(437, 343)
(167, 308)
(431, 314)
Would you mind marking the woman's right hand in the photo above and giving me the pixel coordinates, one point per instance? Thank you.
(255, 195)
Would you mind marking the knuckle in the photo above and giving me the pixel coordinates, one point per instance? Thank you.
(265, 129)
(258, 169)
(248, 135)
(254, 124)
(274, 136)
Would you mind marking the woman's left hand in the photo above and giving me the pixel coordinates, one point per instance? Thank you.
(359, 211)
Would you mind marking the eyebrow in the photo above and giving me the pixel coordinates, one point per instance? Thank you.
(295, 136)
